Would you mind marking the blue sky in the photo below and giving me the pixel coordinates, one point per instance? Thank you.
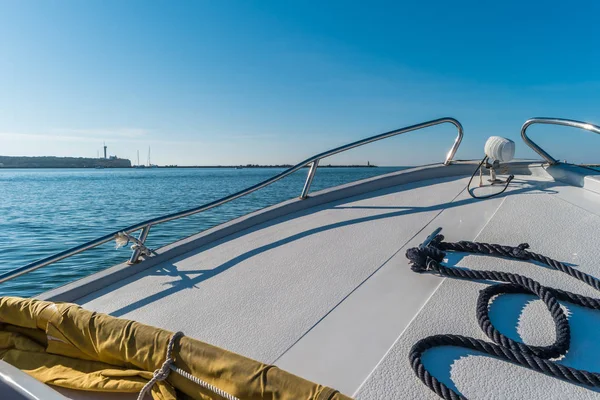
(227, 82)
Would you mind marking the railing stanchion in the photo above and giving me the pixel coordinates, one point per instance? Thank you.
(457, 141)
(309, 179)
(137, 252)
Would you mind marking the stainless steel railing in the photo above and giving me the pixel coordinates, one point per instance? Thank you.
(312, 161)
(553, 121)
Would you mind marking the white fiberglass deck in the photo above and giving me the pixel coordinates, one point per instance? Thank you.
(326, 293)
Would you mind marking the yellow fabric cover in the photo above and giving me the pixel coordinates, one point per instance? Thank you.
(64, 345)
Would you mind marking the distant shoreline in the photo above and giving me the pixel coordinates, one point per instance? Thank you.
(50, 162)
(47, 162)
(185, 166)
(263, 166)
(17, 162)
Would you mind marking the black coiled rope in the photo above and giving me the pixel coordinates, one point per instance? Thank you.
(428, 259)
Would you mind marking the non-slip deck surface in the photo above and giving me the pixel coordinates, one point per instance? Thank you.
(256, 293)
(553, 227)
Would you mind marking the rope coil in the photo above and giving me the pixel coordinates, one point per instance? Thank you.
(538, 358)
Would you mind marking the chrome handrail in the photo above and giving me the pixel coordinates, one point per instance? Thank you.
(553, 121)
(312, 161)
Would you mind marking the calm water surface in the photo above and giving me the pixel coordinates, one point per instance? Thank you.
(46, 211)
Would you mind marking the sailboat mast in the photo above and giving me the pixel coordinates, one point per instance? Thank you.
(149, 156)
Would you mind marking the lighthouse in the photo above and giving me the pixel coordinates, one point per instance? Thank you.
(105, 150)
